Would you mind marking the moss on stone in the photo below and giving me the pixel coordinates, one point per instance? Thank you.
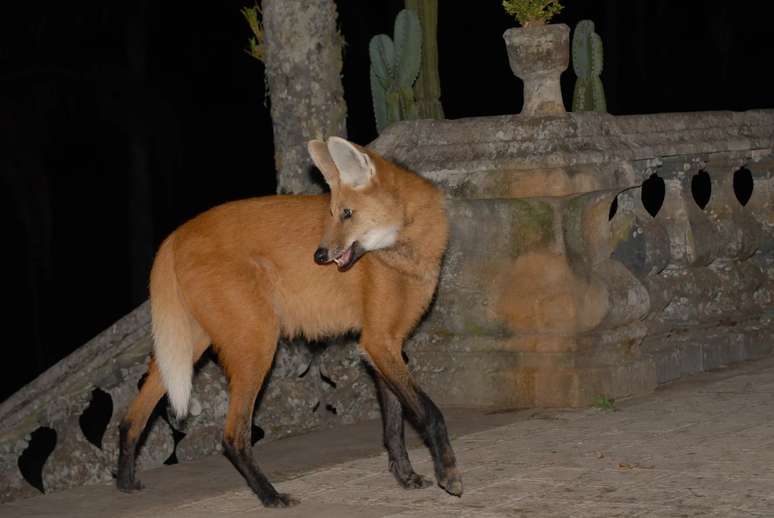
(621, 229)
(473, 328)
(532, 225)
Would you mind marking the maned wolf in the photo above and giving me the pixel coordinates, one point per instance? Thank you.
(241, 274)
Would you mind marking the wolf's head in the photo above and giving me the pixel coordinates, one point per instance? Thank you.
(365, 214)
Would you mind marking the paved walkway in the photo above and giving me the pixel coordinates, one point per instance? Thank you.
(699, 447)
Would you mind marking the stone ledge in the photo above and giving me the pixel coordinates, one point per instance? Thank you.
(449, 148)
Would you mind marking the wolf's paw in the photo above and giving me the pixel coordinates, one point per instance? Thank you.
(281, 500)
(452, 483)
(414, 481)
(129, 486)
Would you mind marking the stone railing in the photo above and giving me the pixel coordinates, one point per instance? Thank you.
(62, 429)
(590, 255)
(594, 255)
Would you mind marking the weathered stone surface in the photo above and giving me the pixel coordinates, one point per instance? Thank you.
(450, 151)
(639, 243)
(537, 277)
(543, 270)
(348, 385)
(57, 398)
(203, 427)
(288, 401)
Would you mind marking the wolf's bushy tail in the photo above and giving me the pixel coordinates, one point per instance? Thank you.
(174, 330)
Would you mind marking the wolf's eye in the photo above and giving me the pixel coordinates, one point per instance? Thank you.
(346, 213)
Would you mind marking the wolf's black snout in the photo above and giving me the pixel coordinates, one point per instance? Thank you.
(321, 256)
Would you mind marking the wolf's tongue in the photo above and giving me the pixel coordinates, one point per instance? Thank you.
(346, 256)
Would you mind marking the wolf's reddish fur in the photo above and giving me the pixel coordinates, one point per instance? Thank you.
(242, 274)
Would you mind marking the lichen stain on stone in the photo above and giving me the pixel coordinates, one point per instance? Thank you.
(595, 229)
(621, 229)
(474, 328)
(538, 292)
(532, 225)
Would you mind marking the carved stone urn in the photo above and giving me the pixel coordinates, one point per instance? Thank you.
(538, 55)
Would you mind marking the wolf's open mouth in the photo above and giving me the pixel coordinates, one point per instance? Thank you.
(348, 257)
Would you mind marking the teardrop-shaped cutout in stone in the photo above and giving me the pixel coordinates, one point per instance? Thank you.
(34, 457)
(95, 419)
(701, 188)
(652, 194)
(743, 185)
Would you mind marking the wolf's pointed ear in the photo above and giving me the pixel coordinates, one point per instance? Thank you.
(322, 159)
(355, 167)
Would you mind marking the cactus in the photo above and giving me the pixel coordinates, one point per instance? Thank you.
(587, 61)
(394, 69)
(427, 89)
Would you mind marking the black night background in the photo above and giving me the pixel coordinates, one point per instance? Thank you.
(86, 85)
